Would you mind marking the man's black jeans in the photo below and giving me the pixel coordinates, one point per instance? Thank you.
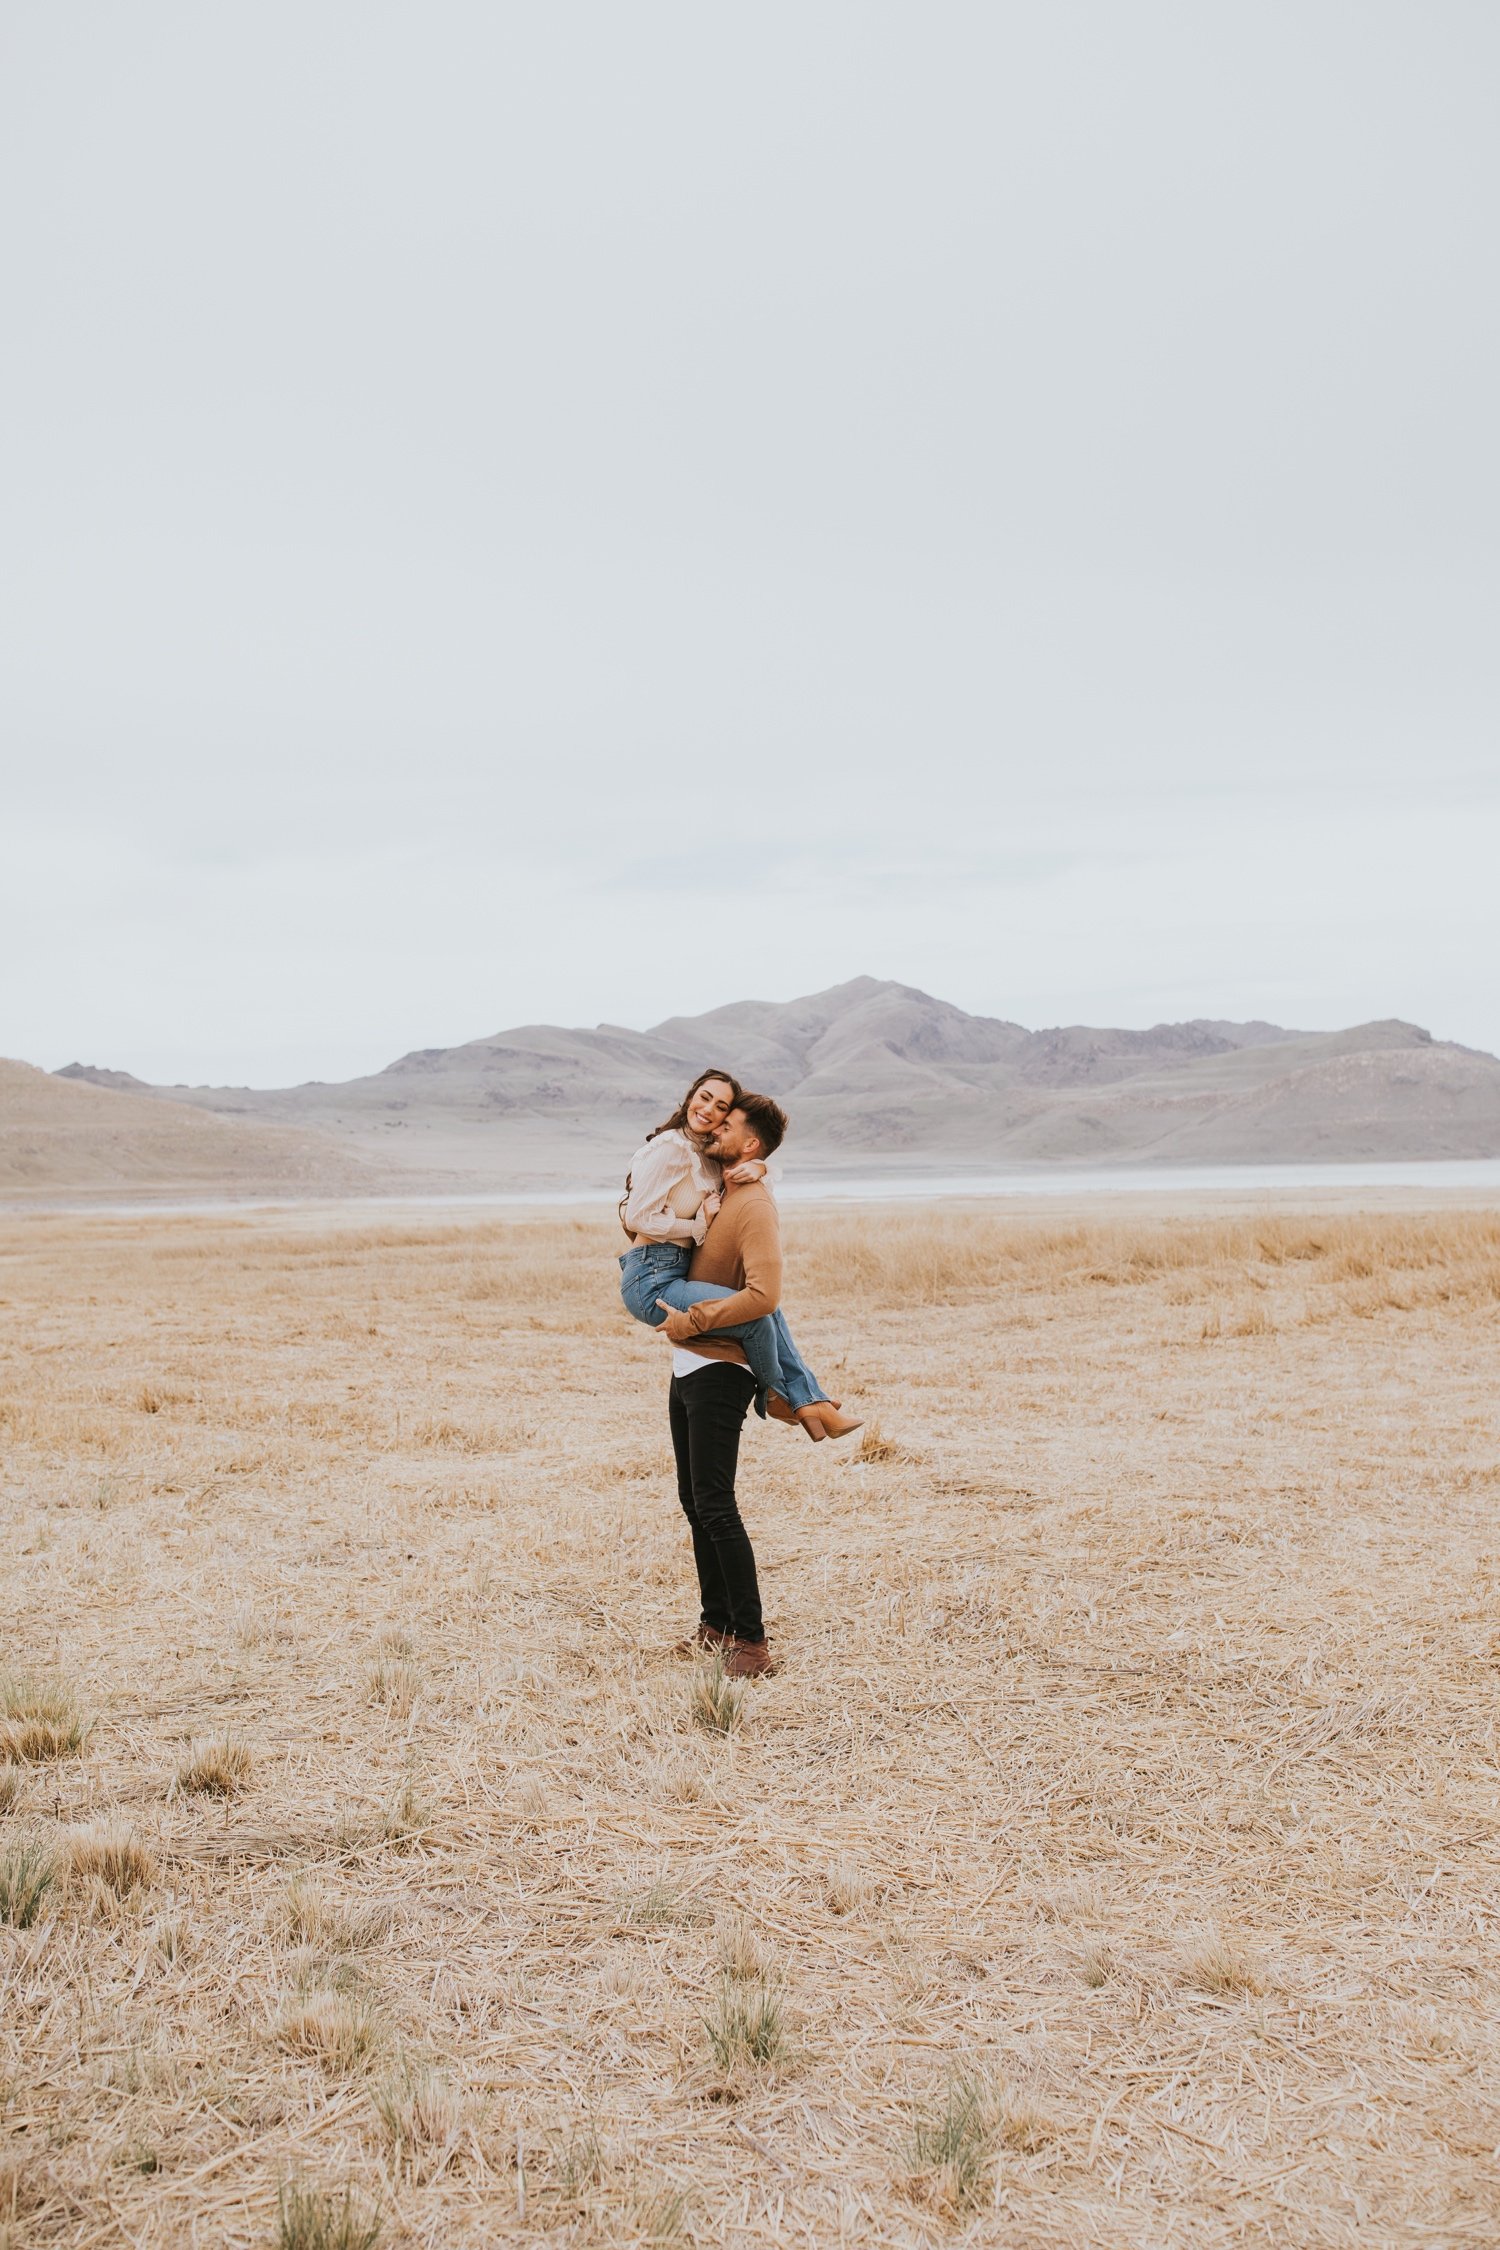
(707, 1413)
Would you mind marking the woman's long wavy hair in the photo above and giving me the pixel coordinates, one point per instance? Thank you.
(677, 1122)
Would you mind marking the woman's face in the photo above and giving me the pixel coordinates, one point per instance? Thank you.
(709, 1105)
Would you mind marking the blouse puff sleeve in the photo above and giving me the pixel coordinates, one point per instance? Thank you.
(665, 1173)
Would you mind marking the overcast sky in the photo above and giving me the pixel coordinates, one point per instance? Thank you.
(583, 511)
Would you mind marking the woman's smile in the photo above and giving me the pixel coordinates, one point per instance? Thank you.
(710, 1105)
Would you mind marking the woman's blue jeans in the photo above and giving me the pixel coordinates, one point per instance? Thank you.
(655, 1270)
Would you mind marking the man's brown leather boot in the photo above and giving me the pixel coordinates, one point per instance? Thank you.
(747, 1660)
(700, 1638)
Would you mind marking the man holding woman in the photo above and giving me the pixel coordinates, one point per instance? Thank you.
(705, 1269)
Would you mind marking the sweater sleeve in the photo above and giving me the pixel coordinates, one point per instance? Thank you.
(760, 1260)
(655, 1170)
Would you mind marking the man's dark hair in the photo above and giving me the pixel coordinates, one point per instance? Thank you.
(766, 1120)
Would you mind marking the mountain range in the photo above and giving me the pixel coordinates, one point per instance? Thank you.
(877, 1076)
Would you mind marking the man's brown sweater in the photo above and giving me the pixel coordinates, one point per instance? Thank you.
(741, 1251)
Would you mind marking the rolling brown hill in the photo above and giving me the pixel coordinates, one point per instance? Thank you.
(881, 1076)
(61, 1139)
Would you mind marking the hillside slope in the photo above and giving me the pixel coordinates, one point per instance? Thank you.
(880, 1074)
(68, 1139)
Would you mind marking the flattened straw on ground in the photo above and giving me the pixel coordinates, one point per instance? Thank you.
(1114, 1861)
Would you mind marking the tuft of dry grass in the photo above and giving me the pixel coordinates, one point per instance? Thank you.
(258, 1628)
(531, 1800)
(879, 1450)
(1213, 1963)
(742, 1953)
(311, 1917)
(12, 1790)
(155, 1398)
(218, 1768)
(337, 2029)
(659, 2221)
(578, 2161)
(420, 2114)
(111, 1853)
(846, 1887)
(39, 1721)
(443, 1434)
(395, 1683)
(716, 1702)
(408, 1816)
(1096, 1965)
(1022, 2123)
(654, 1908)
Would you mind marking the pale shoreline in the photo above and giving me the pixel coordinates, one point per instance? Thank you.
(1417, 1184)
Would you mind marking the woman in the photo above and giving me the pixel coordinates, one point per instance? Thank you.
(672, 1192)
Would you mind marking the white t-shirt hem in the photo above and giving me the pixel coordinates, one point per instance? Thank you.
(687, 1363)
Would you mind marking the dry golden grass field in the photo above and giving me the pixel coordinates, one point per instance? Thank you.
(1114, 1861)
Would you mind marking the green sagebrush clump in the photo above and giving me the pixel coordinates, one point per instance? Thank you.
(28, 1871)
(748, 2026)
(952, 2147)
(311, 2219)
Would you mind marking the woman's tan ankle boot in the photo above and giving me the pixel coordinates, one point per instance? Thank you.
(834, 1423)
(811, 1418)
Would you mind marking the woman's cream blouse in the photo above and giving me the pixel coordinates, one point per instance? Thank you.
(669, 1179)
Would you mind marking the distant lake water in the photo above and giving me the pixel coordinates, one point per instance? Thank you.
(1473, 1175)
(1137, 1179)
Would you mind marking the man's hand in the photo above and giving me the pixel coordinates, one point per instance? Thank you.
(677, 1327)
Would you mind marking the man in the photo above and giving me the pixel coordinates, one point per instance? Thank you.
(712, 1386)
